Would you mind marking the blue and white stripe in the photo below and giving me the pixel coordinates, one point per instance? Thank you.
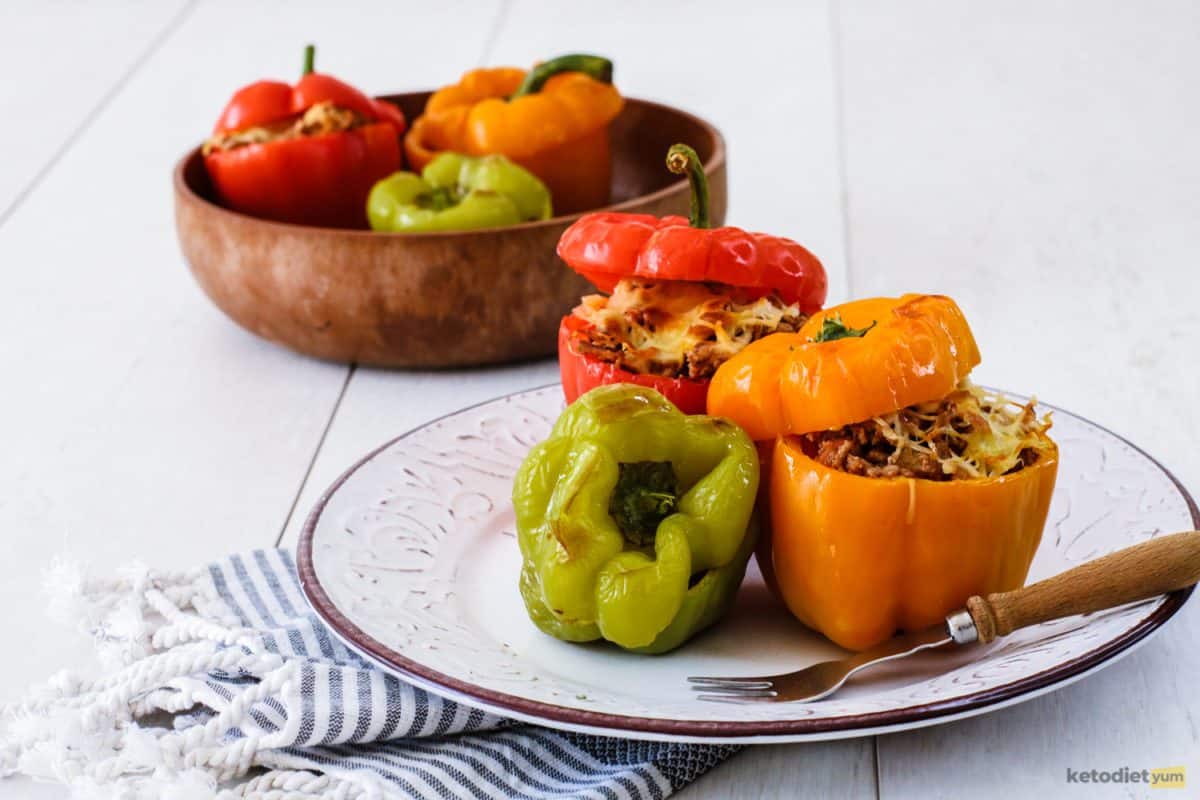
(354, 719)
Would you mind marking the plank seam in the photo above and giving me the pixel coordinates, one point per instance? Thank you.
(493, 36)
(875, 759)
(839, 127)
(155, 45)
(337, 404)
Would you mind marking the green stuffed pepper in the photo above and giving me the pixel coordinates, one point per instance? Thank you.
(456, 192)
(635, 521)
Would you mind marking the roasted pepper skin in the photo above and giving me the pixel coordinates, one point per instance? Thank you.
(317, 180)
(859, 558)
(456, 192)
(581, 579)
(559, 132)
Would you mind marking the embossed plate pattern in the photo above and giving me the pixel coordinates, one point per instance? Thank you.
(411, 558)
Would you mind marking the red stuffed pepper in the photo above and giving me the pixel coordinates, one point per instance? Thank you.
(307, 154)
(684, 297)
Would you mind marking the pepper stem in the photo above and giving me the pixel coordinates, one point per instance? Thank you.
(596, 67)
(646, 493)
(310, 58)
(441, 198)
(682, 160)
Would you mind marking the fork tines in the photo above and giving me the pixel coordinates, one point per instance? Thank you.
(734, 690)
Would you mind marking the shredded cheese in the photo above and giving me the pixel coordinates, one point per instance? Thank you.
(999, 433)
(319, 119)
(679, 327)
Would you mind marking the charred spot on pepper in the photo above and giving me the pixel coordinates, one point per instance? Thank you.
(626, 408)
(722, 424)
(646, 493)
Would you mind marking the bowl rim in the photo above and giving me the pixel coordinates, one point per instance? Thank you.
(715, 162)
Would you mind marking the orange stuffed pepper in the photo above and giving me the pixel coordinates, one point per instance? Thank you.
(897, 489)
(553, 121)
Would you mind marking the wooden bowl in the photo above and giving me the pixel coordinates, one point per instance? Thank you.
(426, 299)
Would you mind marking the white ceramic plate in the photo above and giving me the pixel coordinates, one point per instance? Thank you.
(412, 559)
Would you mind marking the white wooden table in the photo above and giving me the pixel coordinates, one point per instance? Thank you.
(1037, 161)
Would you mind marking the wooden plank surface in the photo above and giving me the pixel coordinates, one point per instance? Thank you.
(61, 68)
(1038, 162)
(144, 424)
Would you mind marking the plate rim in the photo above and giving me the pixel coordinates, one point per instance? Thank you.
(549, 714)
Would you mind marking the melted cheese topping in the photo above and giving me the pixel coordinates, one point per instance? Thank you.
(1000, 435)
(679, 327)
(320, 119)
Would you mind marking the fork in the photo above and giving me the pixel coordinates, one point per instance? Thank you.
(1163, 564)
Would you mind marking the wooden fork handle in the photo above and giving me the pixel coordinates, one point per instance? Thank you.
(1161, 565)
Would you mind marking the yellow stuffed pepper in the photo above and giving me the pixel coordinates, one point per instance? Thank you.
(896, 488)
(552, 120)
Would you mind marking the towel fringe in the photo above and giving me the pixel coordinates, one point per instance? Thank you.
(286, 784)
(162, 630)
(193, 704)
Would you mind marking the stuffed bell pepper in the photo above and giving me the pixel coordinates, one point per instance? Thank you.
(683, 297)
(307, 153)
(553, 120)
(635, 521)
(897, 488)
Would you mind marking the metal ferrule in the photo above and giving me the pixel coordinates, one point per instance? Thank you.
(961, 628)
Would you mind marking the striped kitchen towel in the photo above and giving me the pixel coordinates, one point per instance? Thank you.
(223, 683)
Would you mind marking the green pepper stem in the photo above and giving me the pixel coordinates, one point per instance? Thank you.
(310, 58)
(441, 198)
(595, 67)
(682, 160)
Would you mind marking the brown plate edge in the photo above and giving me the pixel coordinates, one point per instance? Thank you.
(183, 189)
(348, 631)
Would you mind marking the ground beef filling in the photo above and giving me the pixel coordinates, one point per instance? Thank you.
(677, 329)
(319, 120)
(700, 362)
(928, 441)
